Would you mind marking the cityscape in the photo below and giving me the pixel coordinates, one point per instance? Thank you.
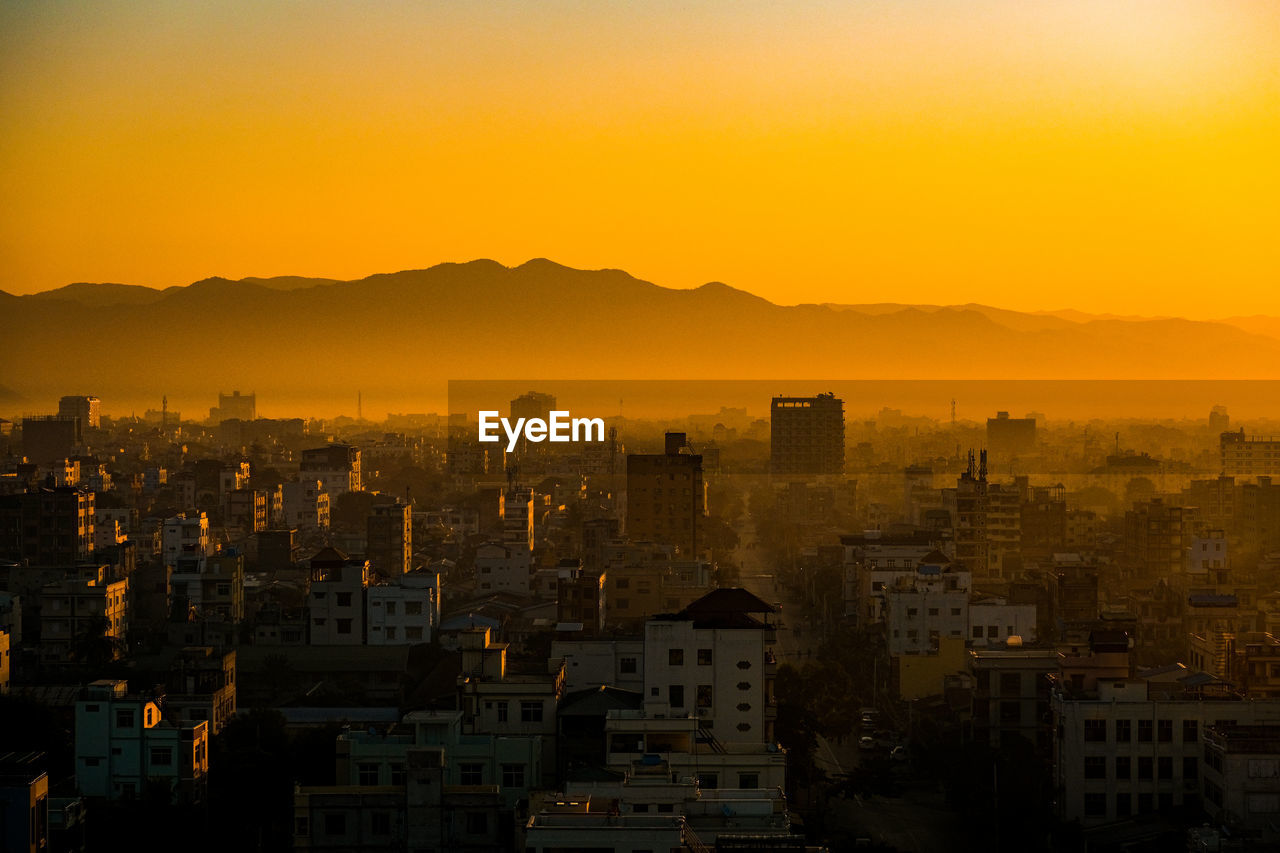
(773, 627)
(652, 427)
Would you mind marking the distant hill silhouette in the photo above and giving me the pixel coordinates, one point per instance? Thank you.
(393, 332)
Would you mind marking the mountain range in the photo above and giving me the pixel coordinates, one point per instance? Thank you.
(397, 332)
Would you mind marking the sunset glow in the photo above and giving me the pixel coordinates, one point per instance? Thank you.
(1103, 156)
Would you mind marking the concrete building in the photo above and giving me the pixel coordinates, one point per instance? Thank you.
(806, 435)
(83, 618)
(234, 406)
(1134, 746)
(336, 466)
(993, 621)
(125, 749)
(50, 439)
(210, 586)
(88, 409)
(48, 526)
(405, 611)
(1008, 437)
(518, 528)
(24, 803)
(1241, 783)
(336, 601)
(390, 538)
(247, 509)
(714, 660)
(921, 608)
(305, 505)
(1248, 455)
(504, 567)
(666, 496)
(185, 535)
(875, 561)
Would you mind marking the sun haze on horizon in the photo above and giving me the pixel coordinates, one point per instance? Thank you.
(1108, 157)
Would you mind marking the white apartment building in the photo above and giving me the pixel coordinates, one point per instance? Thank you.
(185, 536)
(1135, 746)
(123, 746)
(714, 660)
(404, 612)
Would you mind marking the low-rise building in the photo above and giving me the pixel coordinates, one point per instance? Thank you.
(125, 748)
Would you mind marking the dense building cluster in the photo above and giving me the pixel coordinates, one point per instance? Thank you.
(359, 636)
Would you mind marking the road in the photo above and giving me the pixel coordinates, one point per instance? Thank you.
(919, 820)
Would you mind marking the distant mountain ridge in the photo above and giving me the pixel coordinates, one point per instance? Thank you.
(477, 320)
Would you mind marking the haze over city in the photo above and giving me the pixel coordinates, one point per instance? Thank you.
(568, 427)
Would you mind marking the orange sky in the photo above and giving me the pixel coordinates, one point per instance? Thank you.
(1106, 156)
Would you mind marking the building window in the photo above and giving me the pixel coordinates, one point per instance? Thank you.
(413, 632)
(675, 657)
(1144, 766)
(704, 657)
(675, 695)
(748, 781)
(1123, 805)
(1144, 804)
(1190, 768)
(161, 756)
(627, 666)
(344, 599)
(1164, 767)
(1123, 768)
(367, 774)
(1010, 682)
(1144, 731)
(1095, 805)
(977, 632)
(335, 824)
(710, 781)
(1095, 731)
(1095, 767)
(397, 774)
(391, 608)
(124, 718)
(530, 712)
(301, 826)
(513, 775)
(471, 774)
(504, 711)
(704, 696)
(1190, 731)
(391, 633)
(1164, 731)
(1124, 731)
(344, 626)
(477, 823)
(380, 823)
(413, 608)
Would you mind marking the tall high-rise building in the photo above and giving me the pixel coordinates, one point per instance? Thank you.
(806, 435)
(236, 406)
(1245, 455)
(48, 527)
(390, 538)
(86, 408)
(1008, 436)
(50, 438)
(666, 496)
(533, 404)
